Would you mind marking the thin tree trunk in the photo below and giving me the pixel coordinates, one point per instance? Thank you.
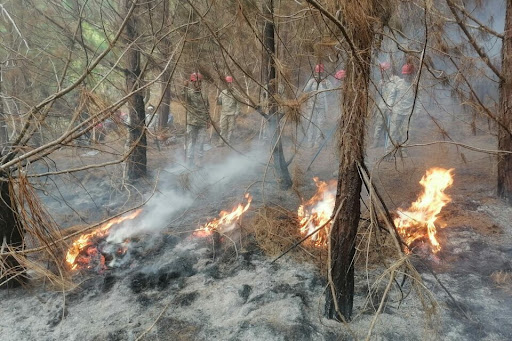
(137, 160)
(165, 107)
(4, 135)
(10, 232)
(504, 138)
(280, 165)
(12, 235)
(340, 294)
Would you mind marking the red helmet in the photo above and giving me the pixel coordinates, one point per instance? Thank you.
(229, 79)
(196, 76)
(384, 66)
(340, 74)
(407, 69)
(319, 68)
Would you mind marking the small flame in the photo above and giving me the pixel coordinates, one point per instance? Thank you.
(85, 240)
(317, 211)
(225, 221)
(423, 212)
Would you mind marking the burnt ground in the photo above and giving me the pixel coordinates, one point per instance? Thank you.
(174, 286)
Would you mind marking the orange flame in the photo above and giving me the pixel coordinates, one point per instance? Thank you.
(423, 212)
(317, 211)
(85, 240)
(225, 220)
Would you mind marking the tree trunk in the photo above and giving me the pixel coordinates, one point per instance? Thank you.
(12, 234)
(137, 160)
(340, 293)
(165, 107)
(504, 137)
(280, 165)
(4, 136)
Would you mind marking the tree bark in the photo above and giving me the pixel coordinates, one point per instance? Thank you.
(165, 107)
(340, 294)
(504, 137)
(4, 135)
(12, 234)
(274, 116)
(137, 160)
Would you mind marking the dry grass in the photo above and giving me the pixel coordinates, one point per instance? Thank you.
(374, 247)
(276, 229)
(41, 233)
(503, 280)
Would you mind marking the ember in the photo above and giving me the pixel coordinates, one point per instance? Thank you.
(226, 220)
(317, 211)
(85, 248)
(418, 221)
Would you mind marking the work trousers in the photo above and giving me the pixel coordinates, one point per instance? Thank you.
(397, 130)
(315, 124)
(381, 128)
(195, 139)
(227, 126)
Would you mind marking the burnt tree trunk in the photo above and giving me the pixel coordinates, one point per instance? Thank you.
(340, 293)
(274, 115)
(137, 160)
(504, 136)
(11, 234)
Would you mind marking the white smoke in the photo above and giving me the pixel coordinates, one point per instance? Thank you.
(157, 213)
(162, 207)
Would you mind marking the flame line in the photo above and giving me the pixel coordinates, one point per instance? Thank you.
(312, 233)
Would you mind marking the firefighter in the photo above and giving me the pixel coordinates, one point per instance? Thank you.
(230, 110)
(400, 99)
(317, 106)
(386, 85)
(198, 117)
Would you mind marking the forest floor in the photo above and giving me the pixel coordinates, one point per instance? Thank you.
(174, 285)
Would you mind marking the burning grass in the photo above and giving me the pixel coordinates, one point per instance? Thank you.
(276, 229)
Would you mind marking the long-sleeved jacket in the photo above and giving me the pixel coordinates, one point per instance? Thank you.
(319, 99)
(385, 88)
(230, 105)
(400, 97)
(197, 106)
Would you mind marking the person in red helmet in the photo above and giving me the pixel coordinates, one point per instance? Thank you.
(230, 110)
(317, 105)
(400, 99)
(198, 117)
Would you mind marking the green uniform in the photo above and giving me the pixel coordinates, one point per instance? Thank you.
(197, 106)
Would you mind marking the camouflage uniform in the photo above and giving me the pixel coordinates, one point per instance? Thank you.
(230, 109)
(316, 108)
(197, 106)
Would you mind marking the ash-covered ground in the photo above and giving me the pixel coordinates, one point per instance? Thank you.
(172, 285)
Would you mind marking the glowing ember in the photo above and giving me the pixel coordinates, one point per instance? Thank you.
(226, 220)
(422, 214)
(84, 244)
(317, 211)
